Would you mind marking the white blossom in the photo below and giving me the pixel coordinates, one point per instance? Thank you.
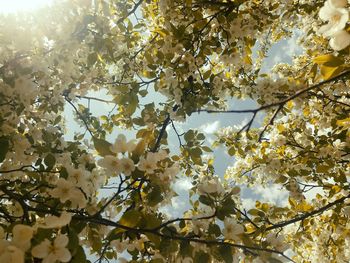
(340, 40)
(53, 251)
(232, 230)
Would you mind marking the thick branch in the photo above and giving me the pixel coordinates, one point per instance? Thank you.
(280, 104)
(218, 242)
(306, 215)
(103, 221)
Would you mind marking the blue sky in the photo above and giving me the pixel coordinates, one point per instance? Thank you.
(206, 123)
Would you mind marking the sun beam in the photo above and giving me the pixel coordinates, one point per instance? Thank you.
(12, 6)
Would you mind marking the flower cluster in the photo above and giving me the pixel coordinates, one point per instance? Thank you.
(115, 165)
(337, 15)
(53, 251)
(13, 251)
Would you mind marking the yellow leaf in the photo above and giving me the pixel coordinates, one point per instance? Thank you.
(336, 188)
(130, 218)
(102, 147)
(248, 60)
(281, 128)
(281, 150)
(292, 202)
(322, 168)
(306, 111)
(149, 74)
(250, 228)
(161, 32)
(101, 59)
(304, 207)
(329, 59)
(344, 122)
(290, 105)
(140, 148)
(329, 72)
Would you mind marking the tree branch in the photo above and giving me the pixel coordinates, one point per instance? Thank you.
(130, 12)
(306, 215)
(280, 104)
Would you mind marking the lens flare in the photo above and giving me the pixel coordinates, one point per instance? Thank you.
(12, 6)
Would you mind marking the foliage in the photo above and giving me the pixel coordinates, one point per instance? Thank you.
(198, 54)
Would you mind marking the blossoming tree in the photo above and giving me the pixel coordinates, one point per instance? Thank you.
(198, 54)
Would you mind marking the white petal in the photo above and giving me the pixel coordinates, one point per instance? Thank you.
(42, 250)
(326, 30)
(326, 12)
(344, 17)
(22, 233)
(56, 222)
(50, 258)
(63, 255)
(15, 255)
(338, 3)
(340, 40)
(61, 241)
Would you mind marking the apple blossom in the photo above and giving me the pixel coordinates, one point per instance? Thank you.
(340, 40)
(166, 192)
(53, 251)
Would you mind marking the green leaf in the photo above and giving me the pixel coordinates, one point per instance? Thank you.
(155, 196)
(57, 120)
(256, 212)
(143, 93)
(196, 152)
(182, 224)
(130, 218)
(73, 244)
(185, 249)
(226, 253)
(94, 238)
(50, 161)
(206, 149)
(152, 221)
(79, 256)
(102, 146)
(201, 136)
(4, 147)
(274, 260)
(155, 239)
(322, 168)
(189, 136)
(168, 246)
(91, 59)
(201, 257)
(232, 151)
(207, 74)
(214, 229)
(205, 200)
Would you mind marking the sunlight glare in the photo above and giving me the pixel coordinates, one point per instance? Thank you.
(12, 6)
